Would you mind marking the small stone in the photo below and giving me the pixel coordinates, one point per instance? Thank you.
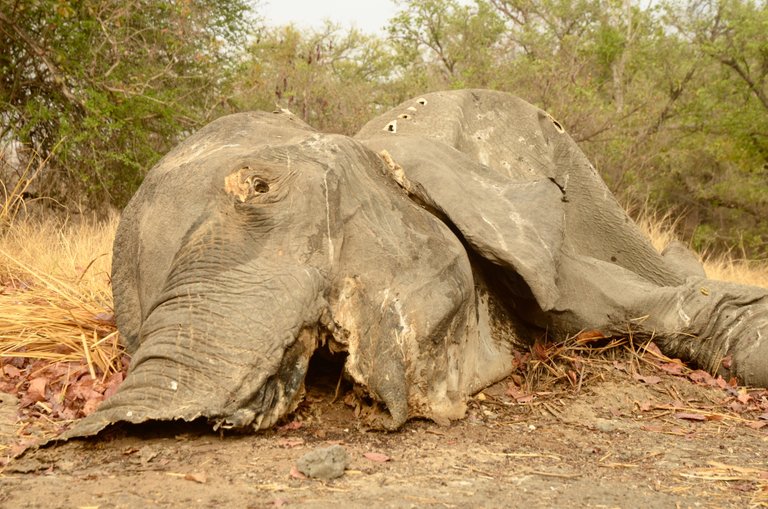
(325, 463)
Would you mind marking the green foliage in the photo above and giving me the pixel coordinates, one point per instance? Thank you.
(335, 81)
(453, 44)
(110, 84)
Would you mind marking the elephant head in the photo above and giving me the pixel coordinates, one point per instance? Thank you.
(258, 240)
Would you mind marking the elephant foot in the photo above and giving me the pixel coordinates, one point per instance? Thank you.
(721, 327)
(746, 360)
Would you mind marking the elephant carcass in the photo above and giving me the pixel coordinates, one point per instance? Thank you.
(425, 248)
(258, 240)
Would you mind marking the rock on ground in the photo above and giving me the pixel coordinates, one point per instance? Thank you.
(324, 463)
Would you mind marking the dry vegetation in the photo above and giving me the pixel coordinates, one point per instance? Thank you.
(723, 267)
(59, 347)
(55, 291)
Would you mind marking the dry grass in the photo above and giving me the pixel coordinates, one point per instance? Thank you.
(737, 270)
(725, 267)
(55, 295)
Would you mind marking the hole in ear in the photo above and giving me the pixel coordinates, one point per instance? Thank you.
(391, 127)
(421, 101)
(556, 124)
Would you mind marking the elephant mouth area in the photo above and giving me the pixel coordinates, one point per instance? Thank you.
(325, 375)
(325, 383)
(330, 389)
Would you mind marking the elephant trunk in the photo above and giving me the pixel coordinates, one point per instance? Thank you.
(236, 355)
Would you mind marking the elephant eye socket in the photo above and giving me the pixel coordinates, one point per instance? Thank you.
(243, 184)
(259, 186)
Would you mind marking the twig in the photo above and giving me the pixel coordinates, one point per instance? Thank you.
(552, 474)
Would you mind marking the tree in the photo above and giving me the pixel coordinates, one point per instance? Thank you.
(332, 79)
(103, 87)
(725, 179)
(451, 44)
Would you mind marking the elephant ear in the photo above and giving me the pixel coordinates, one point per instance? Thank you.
(517, 225)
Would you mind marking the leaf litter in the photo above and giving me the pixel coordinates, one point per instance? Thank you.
(59, 350)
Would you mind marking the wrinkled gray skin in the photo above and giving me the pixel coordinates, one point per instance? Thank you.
(450, 230)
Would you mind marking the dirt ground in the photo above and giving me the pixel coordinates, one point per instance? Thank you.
(614, 440)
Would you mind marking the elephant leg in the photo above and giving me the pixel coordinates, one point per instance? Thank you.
(702, 321)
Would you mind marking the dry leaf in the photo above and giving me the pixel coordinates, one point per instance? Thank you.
(519, 395)
(36, 390)
(651, 347)
(296, 474)
(727, 361)
(293, 425)
(542, 351)
(376, 456)
(81, 389)
(744, 396)
(589, 336)
(673, 368)
(700, 376)
(11, 371)
(737, 407)
(198, 478)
